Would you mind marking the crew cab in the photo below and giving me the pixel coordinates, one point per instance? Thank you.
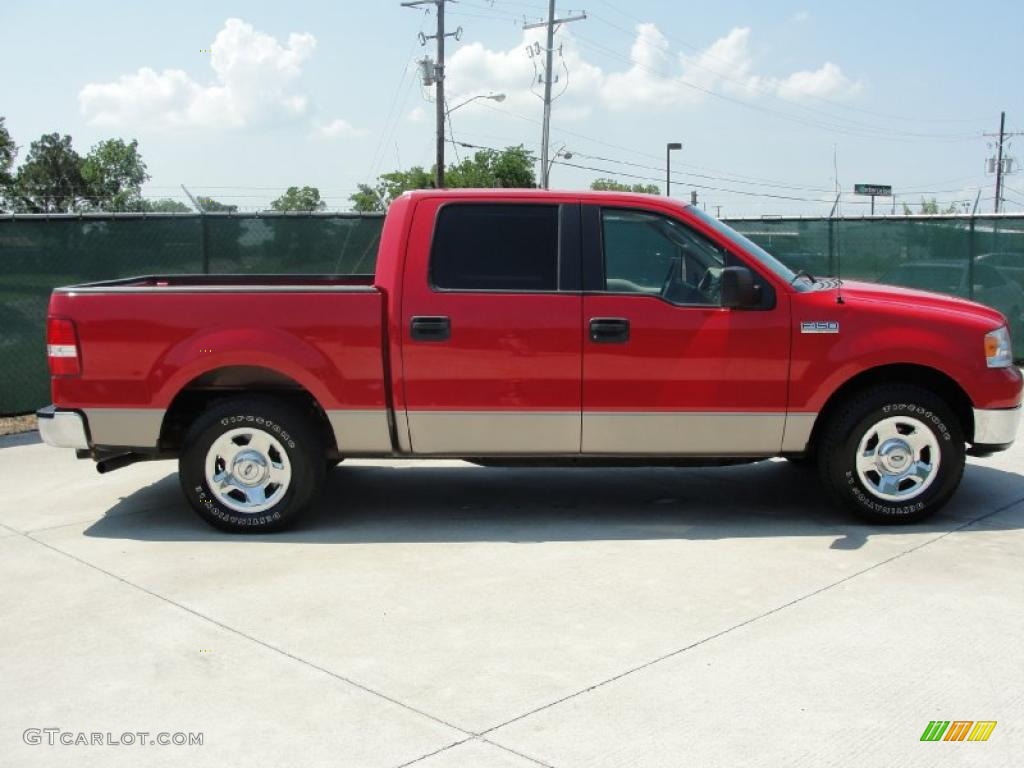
(525, 326)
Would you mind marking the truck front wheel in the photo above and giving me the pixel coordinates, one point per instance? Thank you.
(893, 454)
(251, 465)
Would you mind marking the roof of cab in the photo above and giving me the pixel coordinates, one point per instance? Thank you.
(541, 194)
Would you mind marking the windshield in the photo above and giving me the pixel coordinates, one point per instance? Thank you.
(752, 248)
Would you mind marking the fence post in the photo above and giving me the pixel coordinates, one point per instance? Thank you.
(970, 259)
(204, 252)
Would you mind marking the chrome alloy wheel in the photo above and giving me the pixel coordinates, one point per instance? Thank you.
(247, 470)
(898, 458)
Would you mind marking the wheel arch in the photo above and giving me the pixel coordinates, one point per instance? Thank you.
(218, 384)
(923, 376)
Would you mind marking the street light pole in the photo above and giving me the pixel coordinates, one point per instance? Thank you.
(668, 165)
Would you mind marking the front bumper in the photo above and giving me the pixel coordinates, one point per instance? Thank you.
(996, 427)
(62, 429)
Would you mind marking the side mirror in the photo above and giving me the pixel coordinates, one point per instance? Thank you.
(738, 289)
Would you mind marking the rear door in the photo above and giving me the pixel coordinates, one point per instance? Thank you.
(666, 369)
(492, 340)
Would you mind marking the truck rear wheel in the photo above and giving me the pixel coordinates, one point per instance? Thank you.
(894, 454)
(251, 465)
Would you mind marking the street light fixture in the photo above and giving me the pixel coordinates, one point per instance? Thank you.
(499, 97)
(668, 165)
(560, 152)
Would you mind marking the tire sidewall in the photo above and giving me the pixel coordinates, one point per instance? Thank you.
(192, 469)
(951, 459)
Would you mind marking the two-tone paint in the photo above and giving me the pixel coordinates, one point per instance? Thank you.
(519, 374)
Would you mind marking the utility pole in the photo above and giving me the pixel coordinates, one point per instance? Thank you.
(999, 161)
(549, 50)
(439, 112)
(1000, 137)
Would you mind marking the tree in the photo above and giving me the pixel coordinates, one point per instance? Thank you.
(611, 185)
(388, 187)
(164, 205)
(114, 173)
(50, 180)
(8, 151)
(511, 167)
(209, 205)
(930, 207)
(295, 199)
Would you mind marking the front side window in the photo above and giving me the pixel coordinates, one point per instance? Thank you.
(646, 253)
(485, 247)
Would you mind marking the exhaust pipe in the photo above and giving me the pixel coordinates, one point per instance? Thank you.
(117, 462)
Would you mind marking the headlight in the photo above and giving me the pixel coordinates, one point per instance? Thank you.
(997, 348)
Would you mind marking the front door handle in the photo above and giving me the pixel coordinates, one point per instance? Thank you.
(430, 328)
(609, 330)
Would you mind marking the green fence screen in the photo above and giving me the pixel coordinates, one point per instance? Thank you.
(978, 257)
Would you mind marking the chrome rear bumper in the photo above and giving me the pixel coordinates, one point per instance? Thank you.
(62, 429)
(996, 426)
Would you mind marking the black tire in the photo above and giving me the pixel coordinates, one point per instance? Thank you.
(859, 419)
(806, 461)
(288, 429)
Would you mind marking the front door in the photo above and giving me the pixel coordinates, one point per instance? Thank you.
(492, 345)
(666, 369)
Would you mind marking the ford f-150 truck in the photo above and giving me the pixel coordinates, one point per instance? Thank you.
(512, 327)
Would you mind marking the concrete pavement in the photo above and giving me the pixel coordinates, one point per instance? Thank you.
(448, 615)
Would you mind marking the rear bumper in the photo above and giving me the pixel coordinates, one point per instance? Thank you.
(996, 428)
(62, 429)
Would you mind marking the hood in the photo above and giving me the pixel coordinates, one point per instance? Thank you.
(855, 292)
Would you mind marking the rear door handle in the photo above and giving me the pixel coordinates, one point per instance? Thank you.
(430, 328)
(609, 330)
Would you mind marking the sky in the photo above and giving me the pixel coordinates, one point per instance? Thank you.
(239, 100)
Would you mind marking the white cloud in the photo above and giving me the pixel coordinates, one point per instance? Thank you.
(827, 81)
(416, 115)
(336, 129)
(800, 17)
(255, 81)
(655, 76)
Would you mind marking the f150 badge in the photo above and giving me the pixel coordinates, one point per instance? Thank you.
(819, 326)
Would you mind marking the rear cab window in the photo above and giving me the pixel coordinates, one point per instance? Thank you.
(509, 247)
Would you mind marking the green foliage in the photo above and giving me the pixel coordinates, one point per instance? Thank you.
(511, 167)
(296, 199)
(8, 151)
(50, 180)
(388, 187)
(209, 205)
(930, 207)
(114, 173)
(611, 185)
(164, 205)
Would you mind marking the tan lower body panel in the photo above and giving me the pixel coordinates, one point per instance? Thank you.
(361, 431)
(483, 433)
(127, 427)
(676, 433)
(798, 431)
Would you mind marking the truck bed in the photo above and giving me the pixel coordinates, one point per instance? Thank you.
(147, 342)
(226, 282)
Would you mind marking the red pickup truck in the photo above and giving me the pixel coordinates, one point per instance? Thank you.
(507, 327)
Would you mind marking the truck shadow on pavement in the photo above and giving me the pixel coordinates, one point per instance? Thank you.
(462, 503)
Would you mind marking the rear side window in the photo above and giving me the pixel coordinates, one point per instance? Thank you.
(483, 247)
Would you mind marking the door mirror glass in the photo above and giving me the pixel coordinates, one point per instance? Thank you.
(738, 288)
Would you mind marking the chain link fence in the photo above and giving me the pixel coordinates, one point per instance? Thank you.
(979, 257)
